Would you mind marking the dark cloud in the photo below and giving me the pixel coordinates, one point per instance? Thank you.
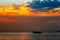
(21, 24)
(44, 5)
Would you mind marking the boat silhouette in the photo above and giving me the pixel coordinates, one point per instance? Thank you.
(36, 31)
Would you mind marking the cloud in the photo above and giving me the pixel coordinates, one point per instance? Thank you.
(44, 6)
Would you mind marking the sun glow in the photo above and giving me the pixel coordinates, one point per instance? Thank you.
(22, 10)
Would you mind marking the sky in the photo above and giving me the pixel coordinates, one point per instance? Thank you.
(18, 23)
(12, 1)
(29, 24)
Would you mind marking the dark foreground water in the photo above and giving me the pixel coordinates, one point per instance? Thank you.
(29, 36)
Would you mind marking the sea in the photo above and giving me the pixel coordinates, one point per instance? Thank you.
(29, 36)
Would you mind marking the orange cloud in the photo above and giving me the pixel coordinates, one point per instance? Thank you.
(25, 11)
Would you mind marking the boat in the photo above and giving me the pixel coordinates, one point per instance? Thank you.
(36, 32)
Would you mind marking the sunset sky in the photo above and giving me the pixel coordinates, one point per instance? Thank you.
(39, 15)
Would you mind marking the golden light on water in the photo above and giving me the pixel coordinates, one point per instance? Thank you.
(25, 11)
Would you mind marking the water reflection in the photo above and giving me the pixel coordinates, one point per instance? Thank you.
(30, 36)
(16, 36)
(25, 36)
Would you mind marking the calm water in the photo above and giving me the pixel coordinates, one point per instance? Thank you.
(29, 36)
